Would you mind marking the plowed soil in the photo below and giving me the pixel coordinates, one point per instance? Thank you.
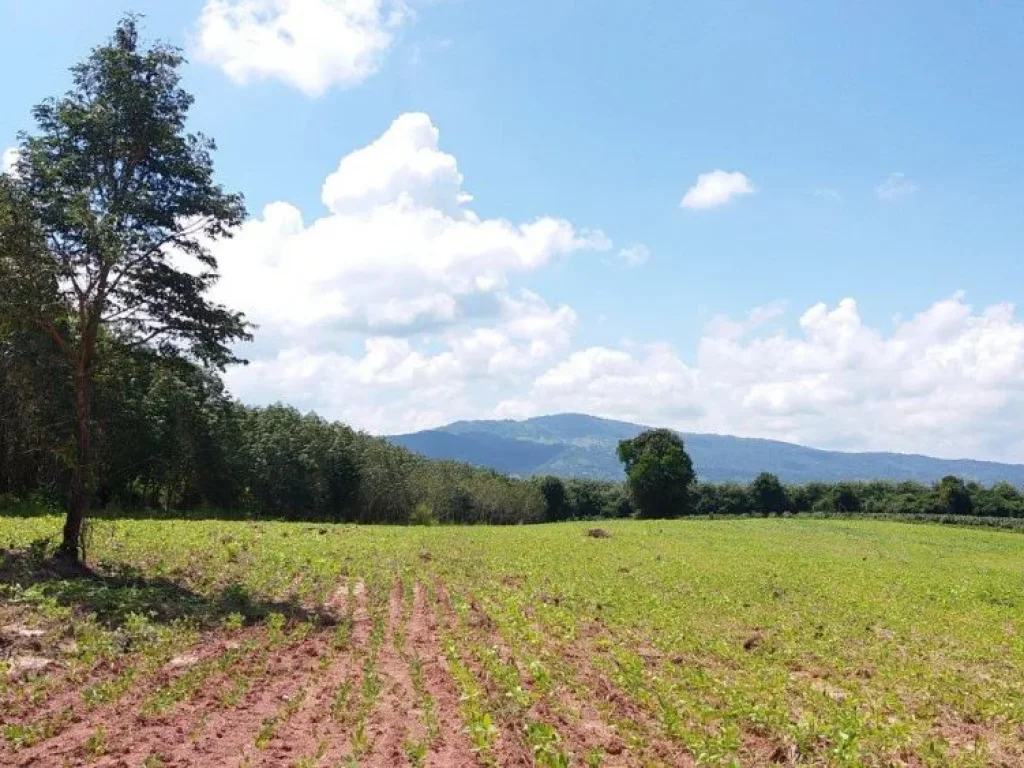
(753, 643)
(302, 699)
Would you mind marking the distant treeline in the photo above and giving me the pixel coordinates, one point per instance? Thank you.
(170, 438)
(586, 499)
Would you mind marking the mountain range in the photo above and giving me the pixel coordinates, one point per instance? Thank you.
(577, 445)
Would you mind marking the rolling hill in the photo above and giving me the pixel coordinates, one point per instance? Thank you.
(577, 445)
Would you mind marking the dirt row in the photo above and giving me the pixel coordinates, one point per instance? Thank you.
(343, 695)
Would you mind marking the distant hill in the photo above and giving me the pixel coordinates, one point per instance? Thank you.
(576, 445)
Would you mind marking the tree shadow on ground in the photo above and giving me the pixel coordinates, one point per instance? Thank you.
(29, 511)
(120, 590)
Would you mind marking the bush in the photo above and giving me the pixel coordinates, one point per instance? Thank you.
(422, 514)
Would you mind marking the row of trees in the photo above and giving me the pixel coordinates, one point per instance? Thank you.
(167, 436)
(111, 350)
(766, 495)
(662, 483)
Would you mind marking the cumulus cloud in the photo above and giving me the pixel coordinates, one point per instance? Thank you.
(635, 255)
(948, 381)
(309, 44)
(392, 384)
(9, 159)
(716, 188)
(413, 286)
(723, 326)
(897, 185)
(402, 308)
(653, 387)
(399, 251)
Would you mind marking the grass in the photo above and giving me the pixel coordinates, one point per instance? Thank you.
(844, 642)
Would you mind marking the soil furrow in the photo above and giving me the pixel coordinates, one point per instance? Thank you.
(319, 727)
(656, 745)
(109, 722)
(450, 745)
(509, 747)
(583, 729)
(388, 729)
(228, 734)
(342, 697)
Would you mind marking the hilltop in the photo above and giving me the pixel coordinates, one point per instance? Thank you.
(578, 445)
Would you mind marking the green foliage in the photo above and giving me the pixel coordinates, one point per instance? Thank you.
(954, 498)
(767, 495)
(556, 503)
(720, 499)
(107, 195)
(423, 514)
(710, 634)
(597, 499)
(659, 473)
(116, 187)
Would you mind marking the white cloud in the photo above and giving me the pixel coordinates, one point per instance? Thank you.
(897, 185)
(724, 327)
(395, 384)
(949, 381)
(402, 166)
(716, 188)
(9, 159)
(635, 255)
(402, 308)
(403, 268)
(654, 387)
(309, 44)
(400, 252)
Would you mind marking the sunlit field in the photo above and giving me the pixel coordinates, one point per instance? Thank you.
(744, 642)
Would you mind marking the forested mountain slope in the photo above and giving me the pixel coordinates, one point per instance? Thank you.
(577, 445)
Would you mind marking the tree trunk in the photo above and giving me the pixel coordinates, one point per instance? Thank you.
(78, 503)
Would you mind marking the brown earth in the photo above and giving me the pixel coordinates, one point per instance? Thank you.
(303, 698)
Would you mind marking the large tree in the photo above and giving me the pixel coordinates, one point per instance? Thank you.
(954, 497)
(768, 495)
(110, 212)
(659, 473)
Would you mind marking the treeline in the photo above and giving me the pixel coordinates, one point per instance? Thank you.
(950, 496)
(167, 436)
(766, 496)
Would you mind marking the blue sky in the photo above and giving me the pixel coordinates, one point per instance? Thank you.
(602, 116)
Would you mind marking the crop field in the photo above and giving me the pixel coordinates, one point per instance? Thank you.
(742, 642)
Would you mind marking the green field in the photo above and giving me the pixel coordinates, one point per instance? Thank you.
(746, 642)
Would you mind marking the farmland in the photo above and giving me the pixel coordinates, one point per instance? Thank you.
(727, 642)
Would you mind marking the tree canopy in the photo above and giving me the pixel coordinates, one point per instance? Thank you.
(106, 224)
(659, 473)
(767, 494)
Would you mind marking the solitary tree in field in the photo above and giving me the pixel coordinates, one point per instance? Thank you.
(954, 497)
(659, 473)
(768, 495)
(109, 199)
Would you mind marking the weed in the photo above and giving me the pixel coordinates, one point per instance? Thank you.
(96, 745)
